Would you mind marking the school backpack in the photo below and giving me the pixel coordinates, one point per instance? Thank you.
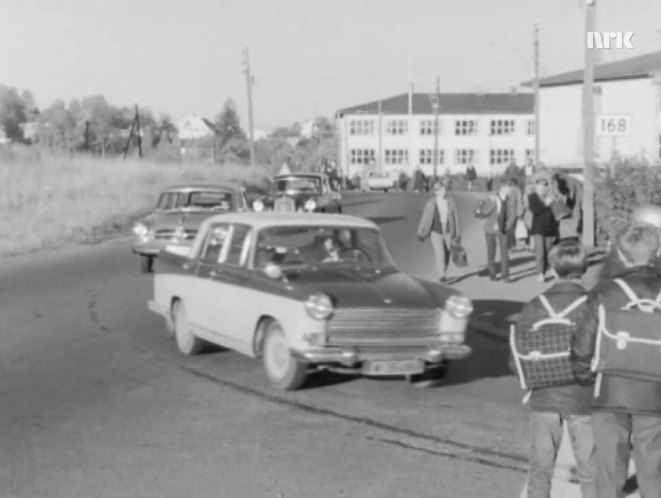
(541, 354)
(629, 339)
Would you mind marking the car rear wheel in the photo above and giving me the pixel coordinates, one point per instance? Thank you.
(186, 341)
(146, 263)
(283, 370)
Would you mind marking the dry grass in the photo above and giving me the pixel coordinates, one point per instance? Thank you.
(50, 201)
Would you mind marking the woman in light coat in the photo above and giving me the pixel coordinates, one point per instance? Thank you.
(440, 223)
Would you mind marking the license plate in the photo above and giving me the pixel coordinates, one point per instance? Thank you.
(402, 367)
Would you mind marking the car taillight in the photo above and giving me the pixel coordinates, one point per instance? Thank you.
(459, 306)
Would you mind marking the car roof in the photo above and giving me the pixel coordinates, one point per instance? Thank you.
(271, 218)
(206, 186)
(308, 174)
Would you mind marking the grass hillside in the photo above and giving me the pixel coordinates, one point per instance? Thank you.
(49, 201)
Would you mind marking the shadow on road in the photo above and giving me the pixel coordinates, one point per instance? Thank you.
(497, 312)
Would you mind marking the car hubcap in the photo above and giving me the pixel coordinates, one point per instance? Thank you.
(277, 355)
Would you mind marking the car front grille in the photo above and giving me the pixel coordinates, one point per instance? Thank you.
(382, 326)
(169, 233)
(284, 204)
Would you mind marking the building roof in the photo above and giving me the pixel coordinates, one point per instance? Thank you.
(451, 103)
(643, 66)
(273, 219)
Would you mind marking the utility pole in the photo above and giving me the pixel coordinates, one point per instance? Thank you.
(437, 105)
(249, 81)
(588, 129)
(380, 123)
(138, 131)
(536, 90)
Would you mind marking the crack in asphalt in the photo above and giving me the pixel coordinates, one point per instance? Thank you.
(446, 454)
(91, 310)
(476, 450)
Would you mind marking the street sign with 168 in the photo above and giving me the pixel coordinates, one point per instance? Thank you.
(613, 125)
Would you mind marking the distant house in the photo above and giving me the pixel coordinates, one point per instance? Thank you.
(196, 137)
(309, 129)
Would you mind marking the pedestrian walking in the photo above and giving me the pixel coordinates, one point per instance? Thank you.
(558, 399)
(519, 231)
(618, 338)
(471, 176)
(544, 227)
(499, 213)
(440, 223)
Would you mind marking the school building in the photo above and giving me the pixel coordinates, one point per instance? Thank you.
(398, 133)
(627, 103)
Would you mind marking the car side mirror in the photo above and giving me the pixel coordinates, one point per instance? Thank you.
(273, 271)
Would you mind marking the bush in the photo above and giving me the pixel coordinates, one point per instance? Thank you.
(632, 184)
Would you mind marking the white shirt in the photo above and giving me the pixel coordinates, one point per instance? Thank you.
(442, 206)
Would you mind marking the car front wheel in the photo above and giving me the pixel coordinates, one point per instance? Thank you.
(187, 342)
(283, 370)
(146, 263)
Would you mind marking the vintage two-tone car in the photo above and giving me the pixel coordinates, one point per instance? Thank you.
(179, 211)
(302, 192)
(307, 292)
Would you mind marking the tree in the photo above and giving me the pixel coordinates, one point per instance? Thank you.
(13, 113)
(57, 127)
(228, 125)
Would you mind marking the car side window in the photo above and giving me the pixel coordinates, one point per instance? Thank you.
(180, 200)
(167, 201)
(235, 254)
(162, 201)
(214, 243)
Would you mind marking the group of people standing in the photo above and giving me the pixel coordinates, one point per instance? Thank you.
(611, 399)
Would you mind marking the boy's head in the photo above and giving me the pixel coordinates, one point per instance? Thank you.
(568, 259)
(638, 244)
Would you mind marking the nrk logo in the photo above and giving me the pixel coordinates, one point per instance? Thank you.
(604, 39)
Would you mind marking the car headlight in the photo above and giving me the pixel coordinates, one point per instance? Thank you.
(258, 205)
(179, 233)
(459, 306)
(319, 306)
(310, 205)
(141, 230)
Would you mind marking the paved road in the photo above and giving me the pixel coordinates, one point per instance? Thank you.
(97, 402)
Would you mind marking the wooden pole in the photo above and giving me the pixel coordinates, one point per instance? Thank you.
(128, 142)
(437, 105)
(588, 130)
(138, 131)
(536, 90)
(249, 83)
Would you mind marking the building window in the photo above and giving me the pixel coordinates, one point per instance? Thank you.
(396, 156)
(464, 156)
(362, 156)
(427, 127)
(465, 127)
(502, 126)
(531, 127)
(501, 156)
(396, 127)
(427, 156)
(361, 127)
(530, 154)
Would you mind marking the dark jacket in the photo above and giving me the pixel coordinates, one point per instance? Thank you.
(608, 269)
(543, 221)
(617, 394)
(505, 220)
(471, 174)
(572, 399)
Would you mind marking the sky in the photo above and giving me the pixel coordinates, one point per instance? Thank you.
(308, 57)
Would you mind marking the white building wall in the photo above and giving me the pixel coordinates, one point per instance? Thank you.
(561, 139)
(448, 142)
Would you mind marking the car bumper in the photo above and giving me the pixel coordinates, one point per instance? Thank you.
(154, 247)
(352, 356)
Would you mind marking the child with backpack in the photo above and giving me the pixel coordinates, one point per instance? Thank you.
(618, 350)
(540, 344)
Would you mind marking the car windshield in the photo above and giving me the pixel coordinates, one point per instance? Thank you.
(211, 199)
(297, 184)
(321, 245)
